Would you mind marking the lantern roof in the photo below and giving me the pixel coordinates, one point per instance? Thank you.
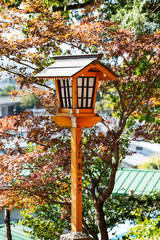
(68, 66)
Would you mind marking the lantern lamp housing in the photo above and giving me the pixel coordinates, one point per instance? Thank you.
(76, 80)
(85, 92)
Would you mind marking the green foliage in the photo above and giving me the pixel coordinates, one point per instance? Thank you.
(109, 102)
(89, 214)
(46, 222)
(102, 107)
(147, 229)
(99, 96)
(142, 16)
(118, 209)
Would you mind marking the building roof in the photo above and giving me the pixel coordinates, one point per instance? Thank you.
(7, 101)
(17, 231)
(136, 180)
(151, 146)
(134, 160)
(70, 65)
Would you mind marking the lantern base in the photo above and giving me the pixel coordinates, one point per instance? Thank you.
(80, 121)
(75, 236)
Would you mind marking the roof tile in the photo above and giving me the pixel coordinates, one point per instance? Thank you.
(140, 181)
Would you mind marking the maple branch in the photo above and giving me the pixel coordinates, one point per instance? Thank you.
(143, 96)
(56, 141)
(60, 41)
(92, 190)
(134, 107)
(156, 9)
(152, 55)
(105, 123)
(33, 193)
(73, 45)
(73, 7)
(121, 103)
(103, 196)
(94, 153)
(23, 76)
(43, 85)
(123, 123)
(19, 62)
(87, 229)
(48, 193)
(12, 72)
(102, 172)
(90, 174)
(133, 97)
(25, 60)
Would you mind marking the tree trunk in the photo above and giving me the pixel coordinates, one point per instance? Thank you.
(7, 223)
(101, 222)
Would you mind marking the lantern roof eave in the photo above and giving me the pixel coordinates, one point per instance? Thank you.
(78, 56)
(71, 65)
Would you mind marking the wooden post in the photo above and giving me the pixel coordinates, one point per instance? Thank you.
(7, 223)
(76, 177)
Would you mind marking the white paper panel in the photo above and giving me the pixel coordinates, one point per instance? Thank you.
(79, 103)
(91, 82)
(90, 92)
(66, 92)
(67, 103)
(62, 92)
(89, 102)
(61, 83)
(85, 92)
(79, 82)
(70, 82)
(85, 82)
(84, 103)
(70, 92)
(79, 92)
(63, 100)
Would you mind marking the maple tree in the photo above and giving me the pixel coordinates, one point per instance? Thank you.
(30, 35)
(151, 233)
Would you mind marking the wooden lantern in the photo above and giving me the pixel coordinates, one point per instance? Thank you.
(76, 80)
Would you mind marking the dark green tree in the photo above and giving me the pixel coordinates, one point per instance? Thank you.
(28, 101)
(7, 91)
